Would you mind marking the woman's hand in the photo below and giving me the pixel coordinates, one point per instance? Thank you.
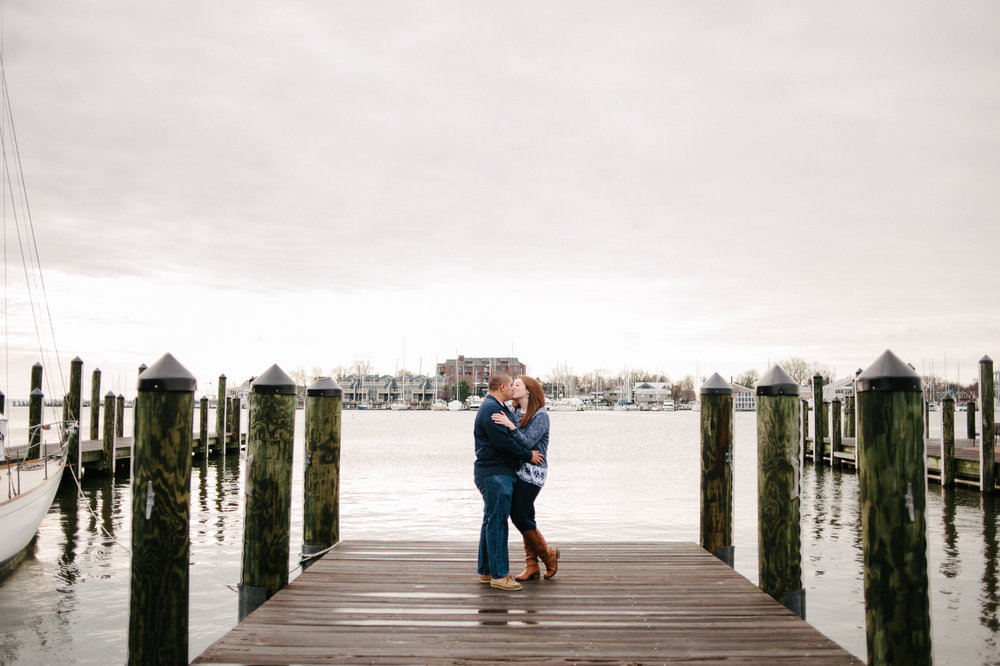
(501, 419)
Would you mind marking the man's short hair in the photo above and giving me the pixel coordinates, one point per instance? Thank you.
(498, 378)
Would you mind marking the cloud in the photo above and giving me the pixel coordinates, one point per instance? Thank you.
(697, 180)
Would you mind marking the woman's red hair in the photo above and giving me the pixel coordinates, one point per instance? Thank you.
(536, 399)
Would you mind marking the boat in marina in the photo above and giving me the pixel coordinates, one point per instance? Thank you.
(439, 405)
(564, 405)
(28, 488)
(29, 473)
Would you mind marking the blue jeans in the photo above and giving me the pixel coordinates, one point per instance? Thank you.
(522, 505)
(493, 557)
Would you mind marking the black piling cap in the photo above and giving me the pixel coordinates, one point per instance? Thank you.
(985, 359)
(716, 385)
(325, 387)
(37, 364)
(37, 392)
(948, 398)
(273, 381)
(889, 373)
(77, 360)
(167, 374)
(110, 394)
(777, 382)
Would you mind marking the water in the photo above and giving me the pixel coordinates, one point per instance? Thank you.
(408, 475)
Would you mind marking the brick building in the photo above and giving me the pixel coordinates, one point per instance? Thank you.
(476, 371)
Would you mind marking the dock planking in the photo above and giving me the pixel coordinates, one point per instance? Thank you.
(383, 602)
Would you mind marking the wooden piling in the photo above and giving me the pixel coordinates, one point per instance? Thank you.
(161, 507)
(237, 426)
(36, 401)
(778, 476)
(805, 426)
(36, 377)
(948, 441)
(717, 468)
(220, 417)
(203, 422)
(836, 438)
(73, 403)
(892, 480)
(321, 486)
(849, 416)
(987, 455)
(109, 432)
(120, 416)
(970, 419)
(819, 447)
(95, 403)
(267, 515)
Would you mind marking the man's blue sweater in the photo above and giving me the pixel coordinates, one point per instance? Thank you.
(497, 452)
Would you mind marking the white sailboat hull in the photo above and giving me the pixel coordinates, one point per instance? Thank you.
(21, 514)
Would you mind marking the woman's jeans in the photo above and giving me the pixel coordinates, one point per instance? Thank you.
(493, 557)
(522, 505)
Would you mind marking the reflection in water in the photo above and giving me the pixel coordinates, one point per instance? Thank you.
(950, 563)
(989, 594)
(66, 500)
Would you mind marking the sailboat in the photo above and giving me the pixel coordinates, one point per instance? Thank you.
(28, 488)
(28, 482)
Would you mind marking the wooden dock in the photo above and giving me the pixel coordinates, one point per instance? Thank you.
(966, 458)
(383, 602)
(92, 450)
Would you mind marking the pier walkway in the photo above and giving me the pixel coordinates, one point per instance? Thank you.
(385, 602)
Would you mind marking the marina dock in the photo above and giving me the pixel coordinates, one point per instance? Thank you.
(966, 458)
(387, 602)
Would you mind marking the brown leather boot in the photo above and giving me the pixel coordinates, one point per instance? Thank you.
(531, 570)
(550, 556)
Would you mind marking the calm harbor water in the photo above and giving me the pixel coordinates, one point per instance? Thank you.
(408, 475)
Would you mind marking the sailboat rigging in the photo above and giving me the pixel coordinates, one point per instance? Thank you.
(29, 474)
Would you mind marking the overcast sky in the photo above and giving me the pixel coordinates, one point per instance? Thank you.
(673, 186)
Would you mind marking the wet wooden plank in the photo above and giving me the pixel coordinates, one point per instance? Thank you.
(421, 602)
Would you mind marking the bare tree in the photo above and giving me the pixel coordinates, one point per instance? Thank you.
(684, 390)
(299, 375)
(748, 378)
(361, 367)
(797, 368)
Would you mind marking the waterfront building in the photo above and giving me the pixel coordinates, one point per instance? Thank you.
(476, 371)
(652, 393)
(744, 399)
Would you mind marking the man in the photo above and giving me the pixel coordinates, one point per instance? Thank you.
(498, 455)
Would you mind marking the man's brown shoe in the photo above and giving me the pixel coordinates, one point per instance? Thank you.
(485, 579)
(505, 583)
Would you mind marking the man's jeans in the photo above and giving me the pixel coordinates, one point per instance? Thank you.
(496, 491)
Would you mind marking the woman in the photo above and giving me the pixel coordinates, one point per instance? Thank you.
(531, 430)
